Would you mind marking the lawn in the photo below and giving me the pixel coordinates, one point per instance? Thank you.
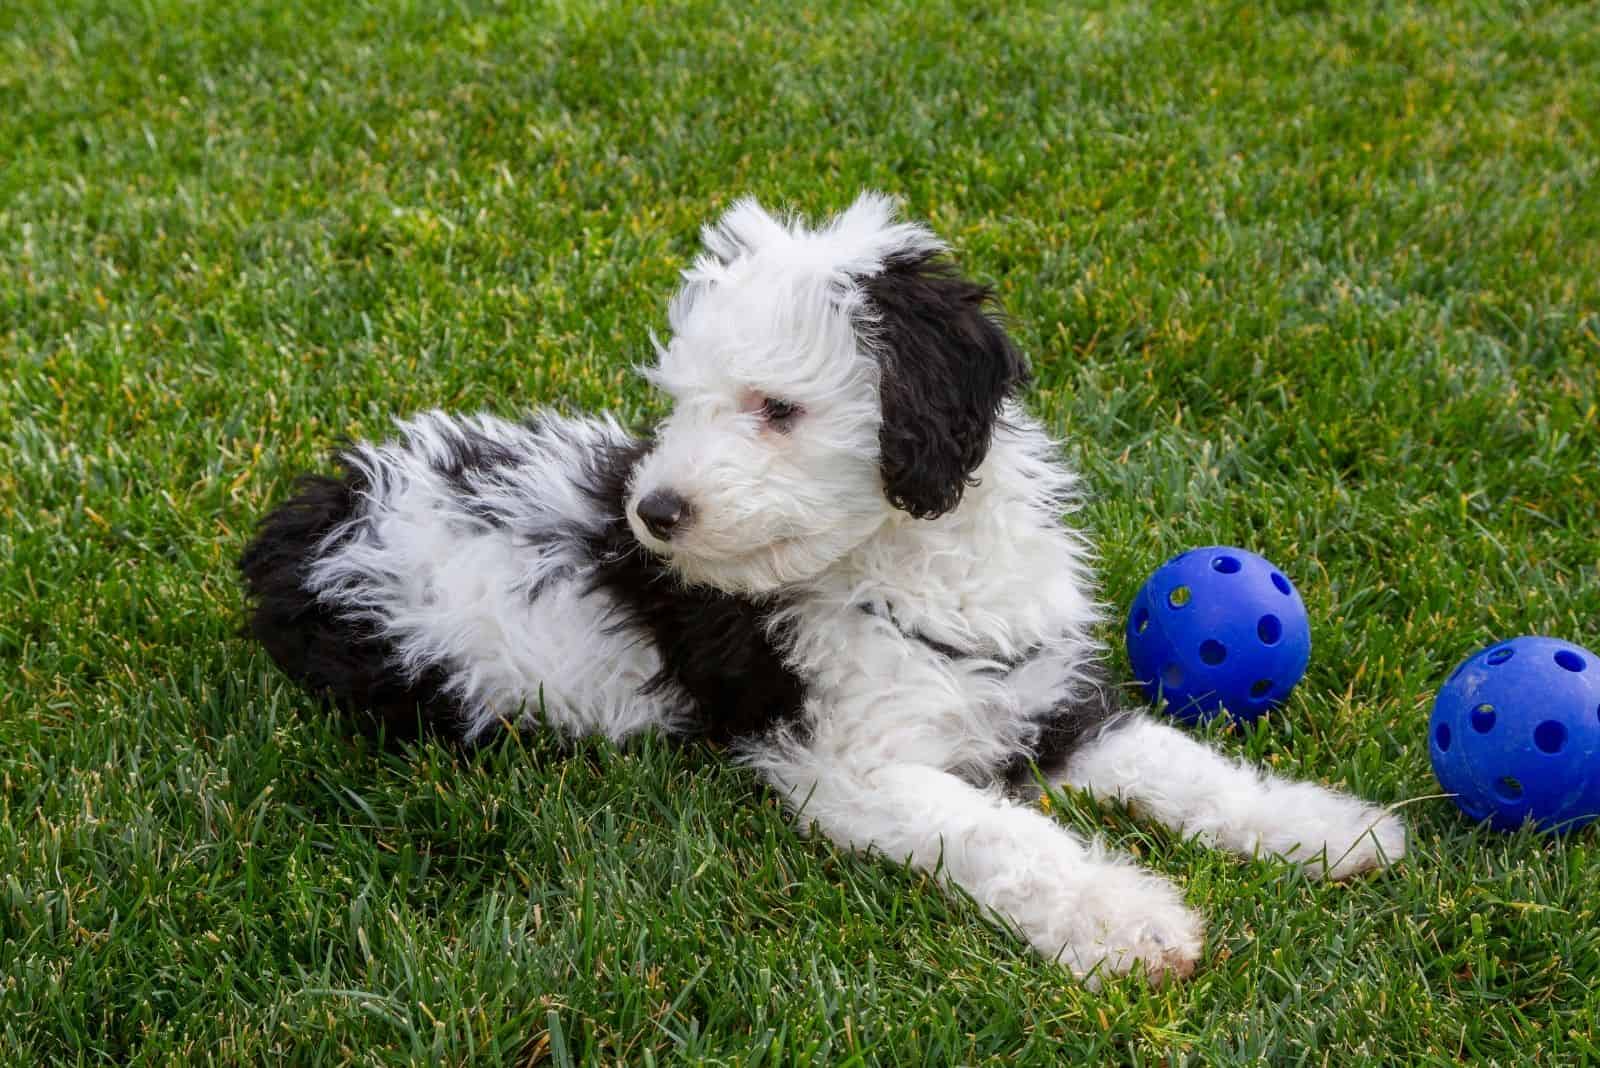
(1321, 280)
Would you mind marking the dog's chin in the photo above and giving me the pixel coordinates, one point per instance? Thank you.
(753, 573)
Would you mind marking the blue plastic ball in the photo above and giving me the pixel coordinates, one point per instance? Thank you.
(1515, 734)
(1218, 628)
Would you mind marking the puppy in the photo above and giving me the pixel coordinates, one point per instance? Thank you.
(842, 554)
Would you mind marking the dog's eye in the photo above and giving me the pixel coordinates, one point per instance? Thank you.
(781, 414)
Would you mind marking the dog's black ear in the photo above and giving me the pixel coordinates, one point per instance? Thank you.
(946, 368)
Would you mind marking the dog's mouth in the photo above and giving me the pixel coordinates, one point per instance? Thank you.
(688, 546)
(674, 552)
(750, 571)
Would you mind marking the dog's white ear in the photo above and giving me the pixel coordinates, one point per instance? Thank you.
(868, 235)
(744, 228)
(872, 211)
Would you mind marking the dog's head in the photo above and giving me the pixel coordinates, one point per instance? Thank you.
(820, 379)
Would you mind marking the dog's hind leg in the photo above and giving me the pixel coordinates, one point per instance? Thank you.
(1097, 913)
(445, 580)
(1162, 772)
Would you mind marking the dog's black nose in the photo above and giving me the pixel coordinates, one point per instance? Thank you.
(661, 511)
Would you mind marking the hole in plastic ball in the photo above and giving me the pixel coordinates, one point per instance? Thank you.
(1141, 620)
(1213, 652)
(1260, 688)
(1500, 656)
(1269, 630)
(1508, 788)
(1570, 660)
(1178, 597)
(1226, 564)
(1282, 584)
(1550, 736)
(1441, 737)
(1172, 676)
(1483, 719)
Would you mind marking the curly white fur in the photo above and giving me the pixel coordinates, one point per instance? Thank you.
(929, 648)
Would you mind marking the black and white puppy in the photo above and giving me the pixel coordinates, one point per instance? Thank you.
(843, 553)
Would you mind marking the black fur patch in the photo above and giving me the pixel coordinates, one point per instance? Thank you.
(947, 366)
(1069, 724)
(330, 655)
(715, 647)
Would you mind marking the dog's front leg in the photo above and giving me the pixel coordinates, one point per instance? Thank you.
(1097, 914)
(1162, 772)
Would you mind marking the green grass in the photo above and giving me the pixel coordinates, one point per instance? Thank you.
(1317, 279)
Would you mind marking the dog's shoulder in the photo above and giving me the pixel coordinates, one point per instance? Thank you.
(721, 653)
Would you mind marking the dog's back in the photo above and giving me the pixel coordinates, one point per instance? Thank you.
(478, 572)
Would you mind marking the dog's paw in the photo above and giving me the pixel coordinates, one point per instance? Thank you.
(1327, 832)
(1139, 926)
(1374, 839)
(1164, 949)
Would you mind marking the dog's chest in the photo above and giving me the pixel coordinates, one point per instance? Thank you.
(997, 580)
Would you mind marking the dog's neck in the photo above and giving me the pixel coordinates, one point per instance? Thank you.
(1000, 572)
